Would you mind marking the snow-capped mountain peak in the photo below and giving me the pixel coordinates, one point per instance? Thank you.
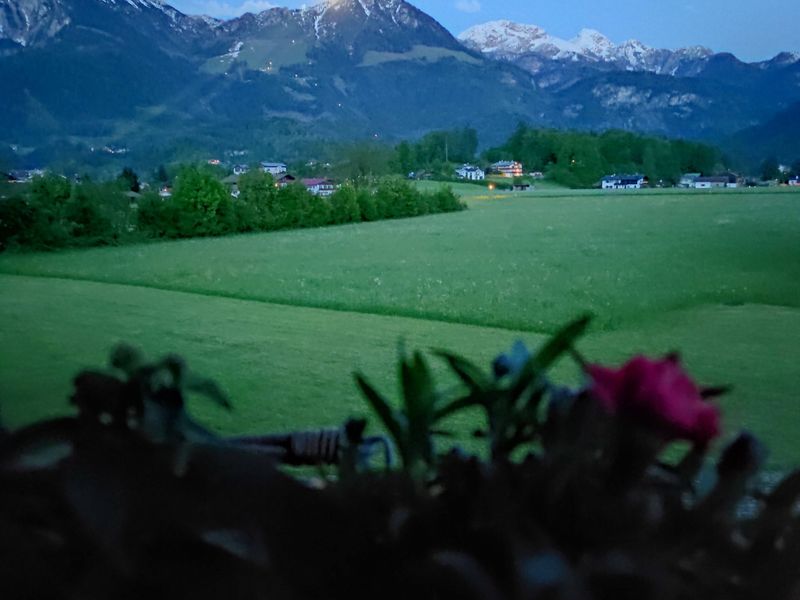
(593, 43)
(511, 41)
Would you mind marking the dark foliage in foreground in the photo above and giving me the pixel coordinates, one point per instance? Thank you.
(132, 498)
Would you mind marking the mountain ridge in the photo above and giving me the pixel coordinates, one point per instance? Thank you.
(140, 73)
(509, 40)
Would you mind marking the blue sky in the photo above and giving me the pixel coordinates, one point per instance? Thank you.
(751, 29)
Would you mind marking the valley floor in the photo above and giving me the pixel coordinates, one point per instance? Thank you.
(281, 320)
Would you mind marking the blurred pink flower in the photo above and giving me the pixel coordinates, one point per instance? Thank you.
(659, 394)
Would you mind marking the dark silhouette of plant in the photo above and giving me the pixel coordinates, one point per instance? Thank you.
(133, 498)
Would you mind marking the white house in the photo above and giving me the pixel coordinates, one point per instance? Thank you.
(471, 173)
(240, 169)
(508, 168)
(795, 181)
(623, 182)
(319, 187)
(273, 168)
(728, 180)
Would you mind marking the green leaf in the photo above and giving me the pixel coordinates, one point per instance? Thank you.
(457, 406)
(418, 388)
(208, 388)
(555, 347)
(469, 373)
(381, 407)
(420, 397)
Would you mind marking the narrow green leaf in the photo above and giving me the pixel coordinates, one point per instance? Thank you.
(420, 397)
(556, 346)
(469, 373)
(208, 388)
(381, 407)
(457, 406)
(561, 341)
(418, 388)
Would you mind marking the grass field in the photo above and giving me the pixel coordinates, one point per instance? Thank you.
(283, 318)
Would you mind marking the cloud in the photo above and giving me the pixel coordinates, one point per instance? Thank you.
(224, 10)
(468, 6)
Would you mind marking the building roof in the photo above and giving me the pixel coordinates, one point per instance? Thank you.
(316, 181)
(634, 176)
(715, 179)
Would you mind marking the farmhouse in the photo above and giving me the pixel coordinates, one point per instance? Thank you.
(471, 173)
(273, 168)
(795, 181)
(726, 180)
(284, 180)
(623, 182)
(232, 183)
(508, 168)
(319, 187)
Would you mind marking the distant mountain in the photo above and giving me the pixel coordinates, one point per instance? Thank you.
(83, 74)
(779, 136)
(692, 92)
(534, 49)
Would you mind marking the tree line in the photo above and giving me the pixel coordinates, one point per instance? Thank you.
(578, 159)
(571, 158)
(57, 213)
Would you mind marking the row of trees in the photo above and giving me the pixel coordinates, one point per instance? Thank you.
(574, 159)
(201, 205)
(578, 159)
(771, 170)
(57, 213)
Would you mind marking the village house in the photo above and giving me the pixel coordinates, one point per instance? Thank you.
(623, 182)
(165, 191)
(795, 181)
(471, 173)
(240, 169)
(508, 168)
(284, 180)
(232, 183)
(726, 180)
(319, 187)
(273, 168)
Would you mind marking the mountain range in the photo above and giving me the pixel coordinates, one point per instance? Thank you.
(83, 74)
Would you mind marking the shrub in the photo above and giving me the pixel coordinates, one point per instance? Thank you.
(344, 205)
(17, 218)
(203, 204)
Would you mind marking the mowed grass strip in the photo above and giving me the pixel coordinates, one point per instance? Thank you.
(290, 367)
(524, 263)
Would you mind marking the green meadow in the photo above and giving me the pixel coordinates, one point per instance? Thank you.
(282, 319)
